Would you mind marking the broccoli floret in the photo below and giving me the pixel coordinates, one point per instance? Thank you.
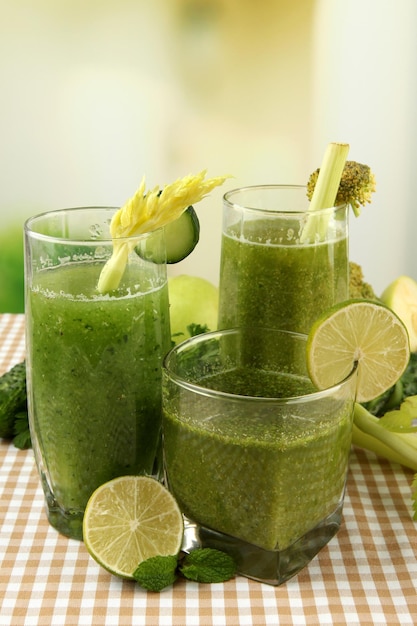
(358, 288)
(356, 185)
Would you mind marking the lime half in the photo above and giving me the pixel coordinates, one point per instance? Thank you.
(130, 519)
(359, 331)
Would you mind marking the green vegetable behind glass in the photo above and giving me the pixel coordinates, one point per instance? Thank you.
(13, 406)
(358, 287)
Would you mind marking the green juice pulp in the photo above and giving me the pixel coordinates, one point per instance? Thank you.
(95, 366)
(266, 478)
(268, 279)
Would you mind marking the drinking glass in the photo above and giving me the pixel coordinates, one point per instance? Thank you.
(93, 359)
(281, 266)
(256, 457)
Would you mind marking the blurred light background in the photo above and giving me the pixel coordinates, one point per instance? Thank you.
(95, 94)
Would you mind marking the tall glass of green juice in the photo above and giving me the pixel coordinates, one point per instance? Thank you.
(93, 359)
(255, 456)
(281, 267)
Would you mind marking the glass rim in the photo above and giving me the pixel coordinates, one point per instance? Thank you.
(270, 187)
(30, 222)
(205, 391)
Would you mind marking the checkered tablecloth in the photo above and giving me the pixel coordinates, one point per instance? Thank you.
(366, 575)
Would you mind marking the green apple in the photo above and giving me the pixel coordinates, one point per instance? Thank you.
(193, 300)
(401, 297)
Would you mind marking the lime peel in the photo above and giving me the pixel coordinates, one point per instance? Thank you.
(147, 211)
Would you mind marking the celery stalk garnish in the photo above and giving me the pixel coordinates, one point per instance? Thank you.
(145, 212)
(325, 191)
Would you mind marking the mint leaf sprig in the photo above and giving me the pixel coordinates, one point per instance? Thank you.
(207, 565)
(204, 565)
(157, 572)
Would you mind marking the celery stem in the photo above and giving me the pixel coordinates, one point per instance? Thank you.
(367, 442)
(112, 272)
(401, 448)
(325, 191)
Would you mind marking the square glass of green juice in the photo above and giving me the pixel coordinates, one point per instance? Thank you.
(256, 457)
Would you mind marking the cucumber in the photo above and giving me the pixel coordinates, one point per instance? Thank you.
(181, 237)
(12, 398)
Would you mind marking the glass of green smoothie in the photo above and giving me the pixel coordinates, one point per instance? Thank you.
(281, 266)
(93, 359)
(256, 457)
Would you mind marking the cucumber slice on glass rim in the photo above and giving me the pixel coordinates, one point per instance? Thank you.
(181, 237)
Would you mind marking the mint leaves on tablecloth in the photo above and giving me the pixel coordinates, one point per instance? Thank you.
(156, 573)
(204, 565)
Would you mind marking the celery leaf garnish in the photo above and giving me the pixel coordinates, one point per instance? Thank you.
(402, 420)
(147, 211)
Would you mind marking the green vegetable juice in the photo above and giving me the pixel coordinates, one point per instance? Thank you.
(268, 278)
(95, 377)
(266, 477)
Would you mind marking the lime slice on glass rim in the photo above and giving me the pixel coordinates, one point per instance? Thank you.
(130, 519)
(361, 331)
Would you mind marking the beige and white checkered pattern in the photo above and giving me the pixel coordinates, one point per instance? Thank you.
(366, 575)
